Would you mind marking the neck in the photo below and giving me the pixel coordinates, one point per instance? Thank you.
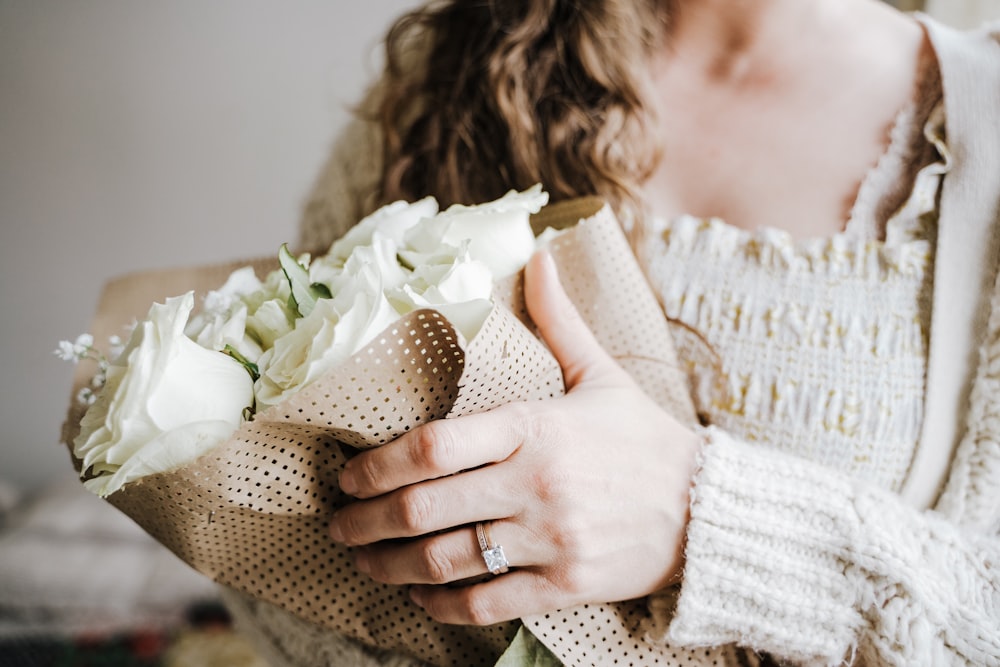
(726, 39)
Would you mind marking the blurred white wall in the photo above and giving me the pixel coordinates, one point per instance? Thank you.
(148, 134)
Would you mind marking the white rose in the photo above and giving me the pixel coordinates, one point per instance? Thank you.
(223, 317)
(269, 322)
(451, 283)
(268, 314)
(335, 329)
(161, 382)
(498, 232)
(391, 221)
(398, 259)
(376, 264)
(167, 451)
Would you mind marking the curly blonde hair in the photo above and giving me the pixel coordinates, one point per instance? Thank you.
(508, 93)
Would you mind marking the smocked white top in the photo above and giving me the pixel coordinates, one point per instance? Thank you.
(813, 347)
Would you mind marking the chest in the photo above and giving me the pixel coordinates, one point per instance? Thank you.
(796, 170)
(775, 148)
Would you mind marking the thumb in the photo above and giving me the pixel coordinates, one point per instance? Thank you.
(560, 324)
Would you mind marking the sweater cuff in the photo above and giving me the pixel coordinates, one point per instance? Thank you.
(767, 555)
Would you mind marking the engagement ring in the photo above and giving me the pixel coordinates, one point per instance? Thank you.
(494, 557)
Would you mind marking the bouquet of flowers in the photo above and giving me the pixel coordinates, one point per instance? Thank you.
(221, 426)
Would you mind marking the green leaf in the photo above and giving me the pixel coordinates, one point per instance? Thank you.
(320, 291)
(251, 367)
(526, 651)
(404, 263)
(304, 294)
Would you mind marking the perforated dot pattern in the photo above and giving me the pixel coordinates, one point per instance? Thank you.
(610, 291)
(612, 634)
(253, 514)
(408, 376)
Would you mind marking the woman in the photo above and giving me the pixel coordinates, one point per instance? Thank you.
(811, 188)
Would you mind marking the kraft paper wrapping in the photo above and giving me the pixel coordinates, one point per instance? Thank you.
(253, 513)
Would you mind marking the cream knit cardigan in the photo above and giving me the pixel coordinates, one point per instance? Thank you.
(790, 558)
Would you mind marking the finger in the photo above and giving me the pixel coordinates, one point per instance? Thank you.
(450, 557)
(431, 451)
(422, 509)
(559, 322)
(443, 559)
(503, 598)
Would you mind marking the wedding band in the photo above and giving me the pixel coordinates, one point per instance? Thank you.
(493, 555)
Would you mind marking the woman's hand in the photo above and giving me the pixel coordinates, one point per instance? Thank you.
(587, 493)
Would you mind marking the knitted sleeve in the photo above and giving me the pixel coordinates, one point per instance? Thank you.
(786, 557)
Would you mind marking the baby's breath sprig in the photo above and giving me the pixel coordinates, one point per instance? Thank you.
(83, 348)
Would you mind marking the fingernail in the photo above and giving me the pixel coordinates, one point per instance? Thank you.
(347, 482)
(361, 561)
(417, 596)
(549, 261)
(336, 533)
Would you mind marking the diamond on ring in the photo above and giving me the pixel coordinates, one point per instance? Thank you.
(496, 561)
(494, 557)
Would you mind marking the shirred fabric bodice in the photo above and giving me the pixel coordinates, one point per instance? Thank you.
(817, 347)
